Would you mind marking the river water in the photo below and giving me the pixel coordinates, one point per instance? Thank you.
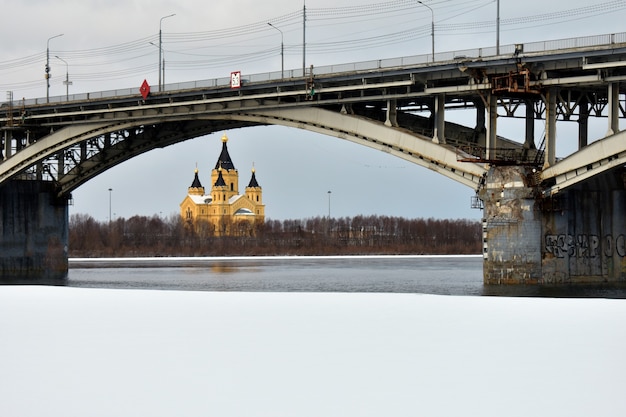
(444, 275)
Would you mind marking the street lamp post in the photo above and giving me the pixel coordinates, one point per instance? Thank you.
(110, 191)
(48, 66)
(498, 27)
(67, 78)
(282, 52)
(162, 67)
(432, 28)
(161, 47)
(329, 204)
(328, 222)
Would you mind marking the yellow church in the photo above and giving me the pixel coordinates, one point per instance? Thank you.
(224, 212)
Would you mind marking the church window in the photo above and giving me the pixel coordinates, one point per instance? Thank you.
(224, 197)
(257, 198)
(232, 187)
(188, 213)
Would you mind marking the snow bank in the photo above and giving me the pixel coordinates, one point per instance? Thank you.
(85, 352)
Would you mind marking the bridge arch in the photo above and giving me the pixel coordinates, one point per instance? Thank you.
(76, 153)
(398, 142)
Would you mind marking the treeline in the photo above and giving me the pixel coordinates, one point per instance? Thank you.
(157, 236)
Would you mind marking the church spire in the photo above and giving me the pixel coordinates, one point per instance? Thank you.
(224, 160)
(196, 181)
(253, 181)
(196, 187)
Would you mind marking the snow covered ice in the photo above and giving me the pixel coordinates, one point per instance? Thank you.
(95, 352)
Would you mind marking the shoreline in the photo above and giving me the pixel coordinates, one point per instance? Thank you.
(178, 261)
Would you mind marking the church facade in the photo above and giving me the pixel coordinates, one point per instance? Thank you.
(223, 211)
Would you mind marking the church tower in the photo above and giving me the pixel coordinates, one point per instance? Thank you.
(229, 174)
(254, 192)
(196, 187)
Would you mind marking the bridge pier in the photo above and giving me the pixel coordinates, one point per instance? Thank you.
(33, 232)
(576, 236)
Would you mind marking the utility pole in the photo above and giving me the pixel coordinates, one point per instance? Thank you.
(432, 28)
(161, 47)
(48, 67)
(67, 78)
(329, 204)
(304, 39)
(110, 191)
(498, 27)
(282, 52)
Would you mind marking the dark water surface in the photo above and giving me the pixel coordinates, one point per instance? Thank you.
(444, 275)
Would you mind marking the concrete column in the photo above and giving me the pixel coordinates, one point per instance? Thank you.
(439, 134)
(529, 141)
(8, 137)
(550, 154)
(33, 232)
(492, 126)
(583, 122)
(480, 114)
(479, 130)
(392, 114)
(613, 109)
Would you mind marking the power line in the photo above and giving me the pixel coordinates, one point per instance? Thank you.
(195, 50)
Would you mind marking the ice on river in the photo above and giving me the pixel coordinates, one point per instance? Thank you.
(135, 353)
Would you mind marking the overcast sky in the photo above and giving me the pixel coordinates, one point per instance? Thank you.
(107, 45)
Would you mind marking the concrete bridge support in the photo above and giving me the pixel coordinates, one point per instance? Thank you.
(33, 232)
(576, 236)
(511, 228)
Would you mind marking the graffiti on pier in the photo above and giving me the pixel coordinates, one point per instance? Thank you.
(585, 246)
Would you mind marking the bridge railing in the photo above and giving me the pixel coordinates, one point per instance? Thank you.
(371, 65)
(581, 42)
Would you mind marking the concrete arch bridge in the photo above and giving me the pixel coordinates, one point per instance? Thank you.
(542, 221)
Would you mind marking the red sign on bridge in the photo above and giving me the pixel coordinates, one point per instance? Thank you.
(144, 89)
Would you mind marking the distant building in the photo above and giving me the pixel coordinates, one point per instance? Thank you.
(223, 211)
